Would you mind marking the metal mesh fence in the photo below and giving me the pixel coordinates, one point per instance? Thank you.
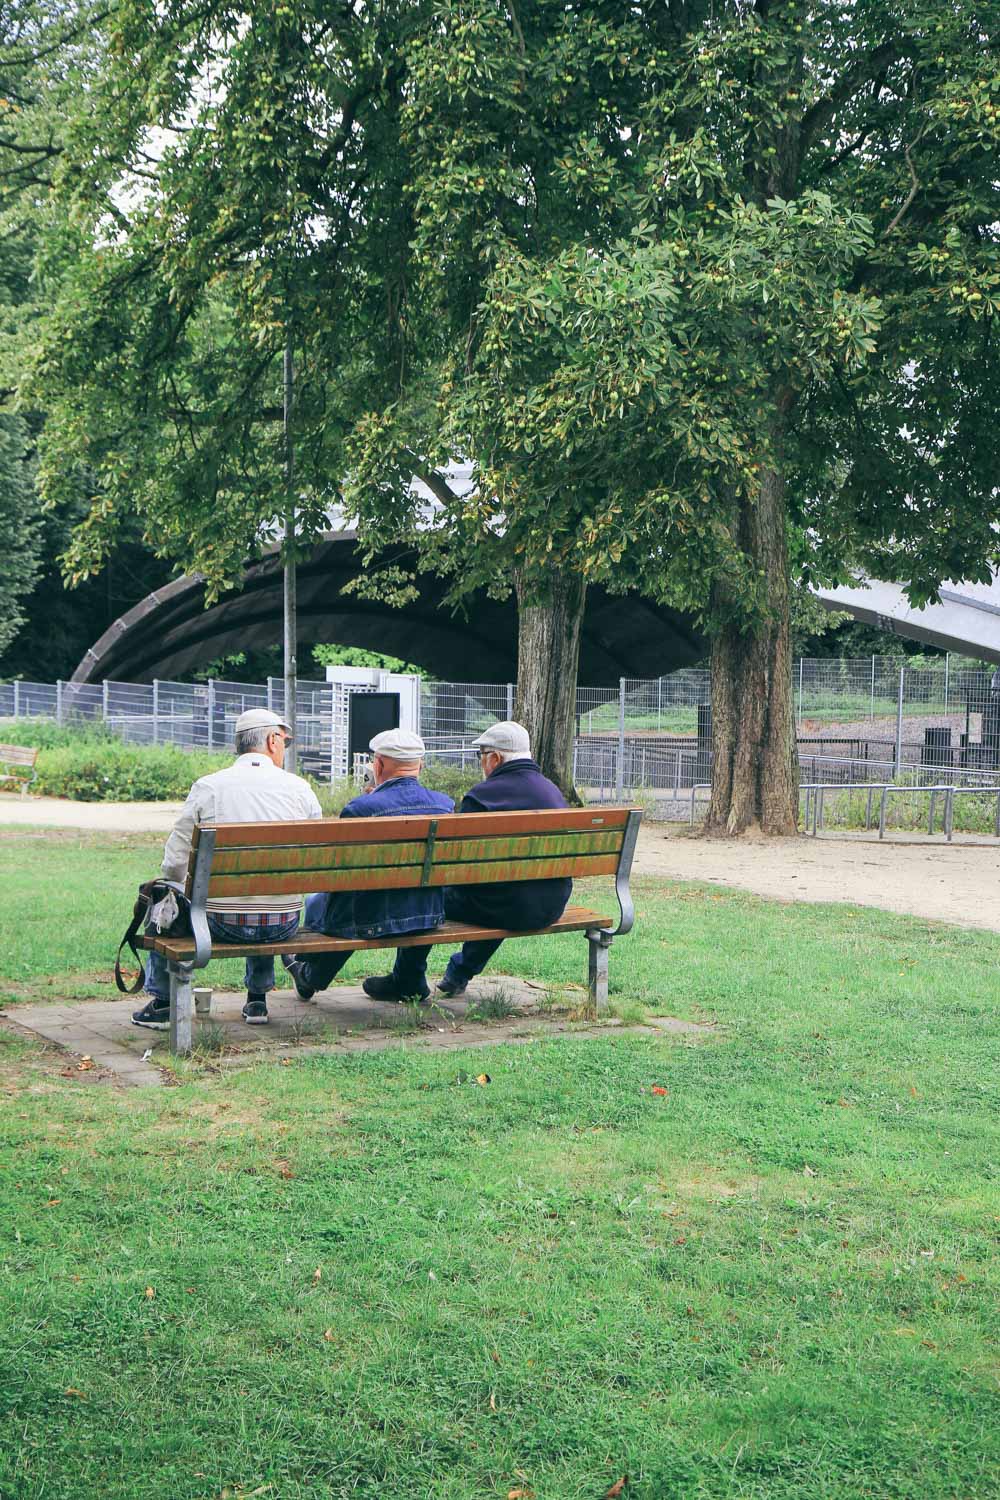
(866, 720)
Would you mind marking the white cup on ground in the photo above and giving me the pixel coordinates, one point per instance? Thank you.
(202, 1001)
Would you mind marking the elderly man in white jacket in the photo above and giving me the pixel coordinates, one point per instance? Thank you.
(254, 789)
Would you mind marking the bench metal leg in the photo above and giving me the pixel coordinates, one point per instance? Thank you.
(181, 1006)
(598, 942)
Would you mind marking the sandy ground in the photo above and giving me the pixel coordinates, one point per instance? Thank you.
(106, 817)
(951, 883)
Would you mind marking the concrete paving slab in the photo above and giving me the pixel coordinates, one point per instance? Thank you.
(340, 1019)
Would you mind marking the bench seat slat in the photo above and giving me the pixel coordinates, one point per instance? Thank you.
(573, 919)
(281, 858)
(393, 830)
(404, 877)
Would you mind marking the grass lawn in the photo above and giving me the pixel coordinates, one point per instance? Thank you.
(358, 1277)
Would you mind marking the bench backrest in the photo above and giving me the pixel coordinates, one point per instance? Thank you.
(18, 755)
(372, 854)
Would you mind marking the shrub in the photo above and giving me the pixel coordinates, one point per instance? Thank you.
(107, 770)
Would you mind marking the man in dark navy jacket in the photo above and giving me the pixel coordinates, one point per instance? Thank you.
(398, 758)
(513, 783)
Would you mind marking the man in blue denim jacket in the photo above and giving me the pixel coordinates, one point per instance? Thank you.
(397, 761)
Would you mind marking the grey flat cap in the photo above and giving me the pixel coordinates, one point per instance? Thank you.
(398, 744)
(260, 718)
(511, 738)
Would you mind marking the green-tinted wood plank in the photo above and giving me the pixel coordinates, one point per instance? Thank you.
(286, 858)
(408, 877)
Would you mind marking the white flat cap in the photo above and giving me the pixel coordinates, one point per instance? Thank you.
(260, 718)
(511, 738)
(398, 744)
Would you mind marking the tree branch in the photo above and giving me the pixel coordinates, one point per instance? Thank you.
(854, 79)
(435, 482)
(915, 188)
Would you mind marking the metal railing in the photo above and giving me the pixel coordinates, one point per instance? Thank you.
(816, 792)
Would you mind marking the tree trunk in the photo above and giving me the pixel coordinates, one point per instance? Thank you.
(548, 658)
(754, 770)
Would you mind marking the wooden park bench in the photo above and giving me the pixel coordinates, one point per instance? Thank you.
(371, 854)
(20, 757)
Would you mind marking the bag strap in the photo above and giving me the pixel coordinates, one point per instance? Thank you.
(139, 914)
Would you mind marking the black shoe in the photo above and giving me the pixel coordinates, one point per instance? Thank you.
(383, 987)
(295, 967)
(451, 987)
(255, 1010)
(156, 1014)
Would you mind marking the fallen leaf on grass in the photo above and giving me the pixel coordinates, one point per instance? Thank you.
(317, 1275)
(284, 1169)
(286, 1062)
(905, 1333)
(809, 1171)
(520, 1494)
(329, 1335)
(85, 1064)
(483, 1079)
(52, 1202)
(658, 1089)
(150, 1293)
(146, 1055)
(493, 1401)
(616, 1488)
(71, 1390)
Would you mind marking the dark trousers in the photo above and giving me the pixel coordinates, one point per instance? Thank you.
(409, 972)
(460, 905)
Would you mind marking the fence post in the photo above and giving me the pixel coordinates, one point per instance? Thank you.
(59, 701)
(156, 710)
(510, 700)
(17, 698)
(105, 699)
(801, 660)
(899, 721)
(620, 770)
(270, 693)
(947, 664)
(871, 713)
(659, 703)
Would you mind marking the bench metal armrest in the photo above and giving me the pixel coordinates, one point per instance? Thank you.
(625, 907)
(199, 897)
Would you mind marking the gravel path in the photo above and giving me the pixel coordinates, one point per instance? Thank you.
(108, 817)
(950, 883)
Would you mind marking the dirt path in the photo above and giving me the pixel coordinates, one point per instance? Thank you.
(106, 817)
(952, 883)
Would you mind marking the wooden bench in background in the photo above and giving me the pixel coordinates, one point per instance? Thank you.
(377, 854)
(21, 757)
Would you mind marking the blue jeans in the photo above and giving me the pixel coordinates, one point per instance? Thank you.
(259, 976)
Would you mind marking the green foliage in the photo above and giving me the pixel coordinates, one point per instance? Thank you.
(108, 770)
(356, 656)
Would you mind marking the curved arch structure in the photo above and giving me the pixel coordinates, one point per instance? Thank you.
(170, 632)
